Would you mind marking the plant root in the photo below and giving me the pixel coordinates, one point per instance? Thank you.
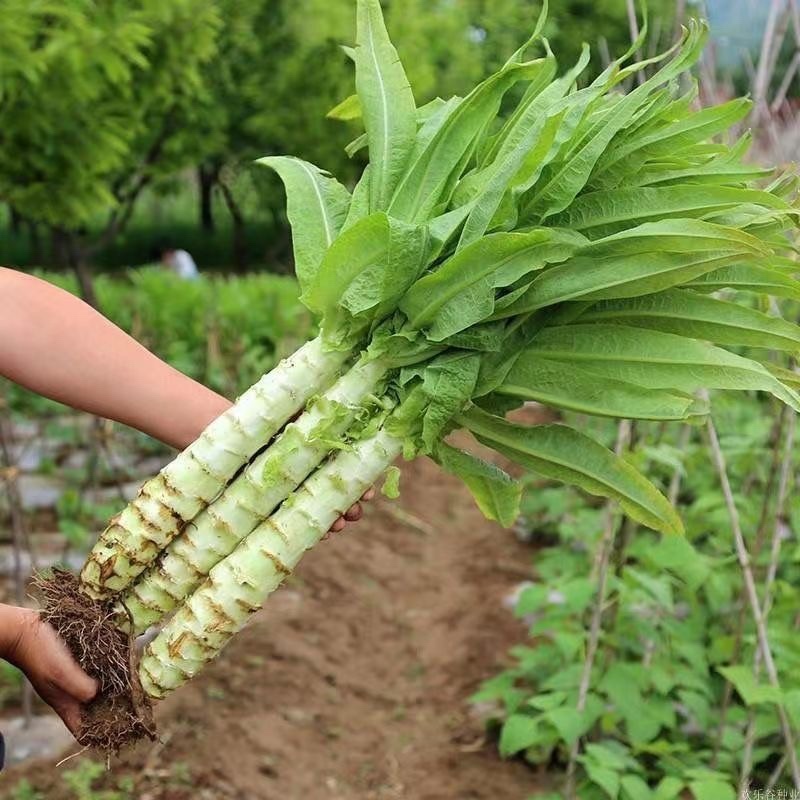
(121, 714)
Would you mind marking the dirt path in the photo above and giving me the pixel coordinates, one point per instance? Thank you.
(351, 685)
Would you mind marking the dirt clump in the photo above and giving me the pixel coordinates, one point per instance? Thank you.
(121, 714)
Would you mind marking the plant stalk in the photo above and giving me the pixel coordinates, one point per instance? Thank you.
(217, 530)
(196, 476)
(239, 584)
(775, 550)
(752, 594)
(602, 562)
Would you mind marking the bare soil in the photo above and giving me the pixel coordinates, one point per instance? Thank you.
(353, 683)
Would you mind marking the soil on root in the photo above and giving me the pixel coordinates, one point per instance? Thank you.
(352, 684)
(121, 714)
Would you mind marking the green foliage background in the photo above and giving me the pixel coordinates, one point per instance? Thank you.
(103, 106)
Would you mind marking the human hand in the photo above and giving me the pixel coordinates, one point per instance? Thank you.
(354, 513)
(35, 648)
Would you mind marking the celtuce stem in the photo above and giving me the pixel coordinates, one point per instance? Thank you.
(251, 498)
(239, 584)
(198, 474)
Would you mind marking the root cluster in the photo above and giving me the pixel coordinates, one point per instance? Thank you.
(121, 714)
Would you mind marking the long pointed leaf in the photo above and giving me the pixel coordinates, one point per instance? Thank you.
(462, 291)
(690, 314)
(316, 205)
(655, 359)
(387, 103)
(422, 187)
(603, 212)
(565, 455)
(569, 387)
(586, 278)
(749, 278)
(496, 493)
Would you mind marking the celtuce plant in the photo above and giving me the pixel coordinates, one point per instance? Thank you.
(566, 252)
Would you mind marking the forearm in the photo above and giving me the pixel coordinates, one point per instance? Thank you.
(56, 345)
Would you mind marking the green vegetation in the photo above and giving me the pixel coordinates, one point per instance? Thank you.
(104, 114)
(481, 261)
(565, 231)
(673, 699)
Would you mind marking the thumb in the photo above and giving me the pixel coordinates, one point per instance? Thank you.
(78, 684)
(65, 673)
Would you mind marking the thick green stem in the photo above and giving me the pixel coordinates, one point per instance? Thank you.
(196, 476)
(239, 584)
(252, 497)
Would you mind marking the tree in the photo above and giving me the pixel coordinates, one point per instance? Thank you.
(270, 96)
(97, 101)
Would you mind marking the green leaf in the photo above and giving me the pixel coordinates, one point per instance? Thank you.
(429, 174)
(522, 152)
(587, 278)
(605, 778)
(378, 287)
(669, 787)
(565, 183)
(569, 722)
(364, 244)
(563, 454)
(634, 788)
(533, 146)
(541, 81)
(449, 382)
(677, 554)
(533, 377)
(687, 313)
(387, 103)
(712, 790)
(368, 267)
(657, 586)
(613, 754)
(519, 732)
(791, 702)
(758, 278)
(496, 493)
(359, 204)
(656, 360)
(678, 236)
(604, 212)
(316, 205)
(745, 683)
(348, 109)
(717, 171)
(462, 291)
(668, 139)
(547, 701)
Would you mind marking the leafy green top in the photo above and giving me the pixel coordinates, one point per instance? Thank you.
(565, 252)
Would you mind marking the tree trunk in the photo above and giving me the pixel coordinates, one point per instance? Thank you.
(206, 178)
(69, 252)
(239, 240)
(15, 220)
(83, 272)
(58, 248)
(36, 255)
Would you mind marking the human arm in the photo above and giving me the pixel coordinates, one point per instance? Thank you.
(60, 347)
